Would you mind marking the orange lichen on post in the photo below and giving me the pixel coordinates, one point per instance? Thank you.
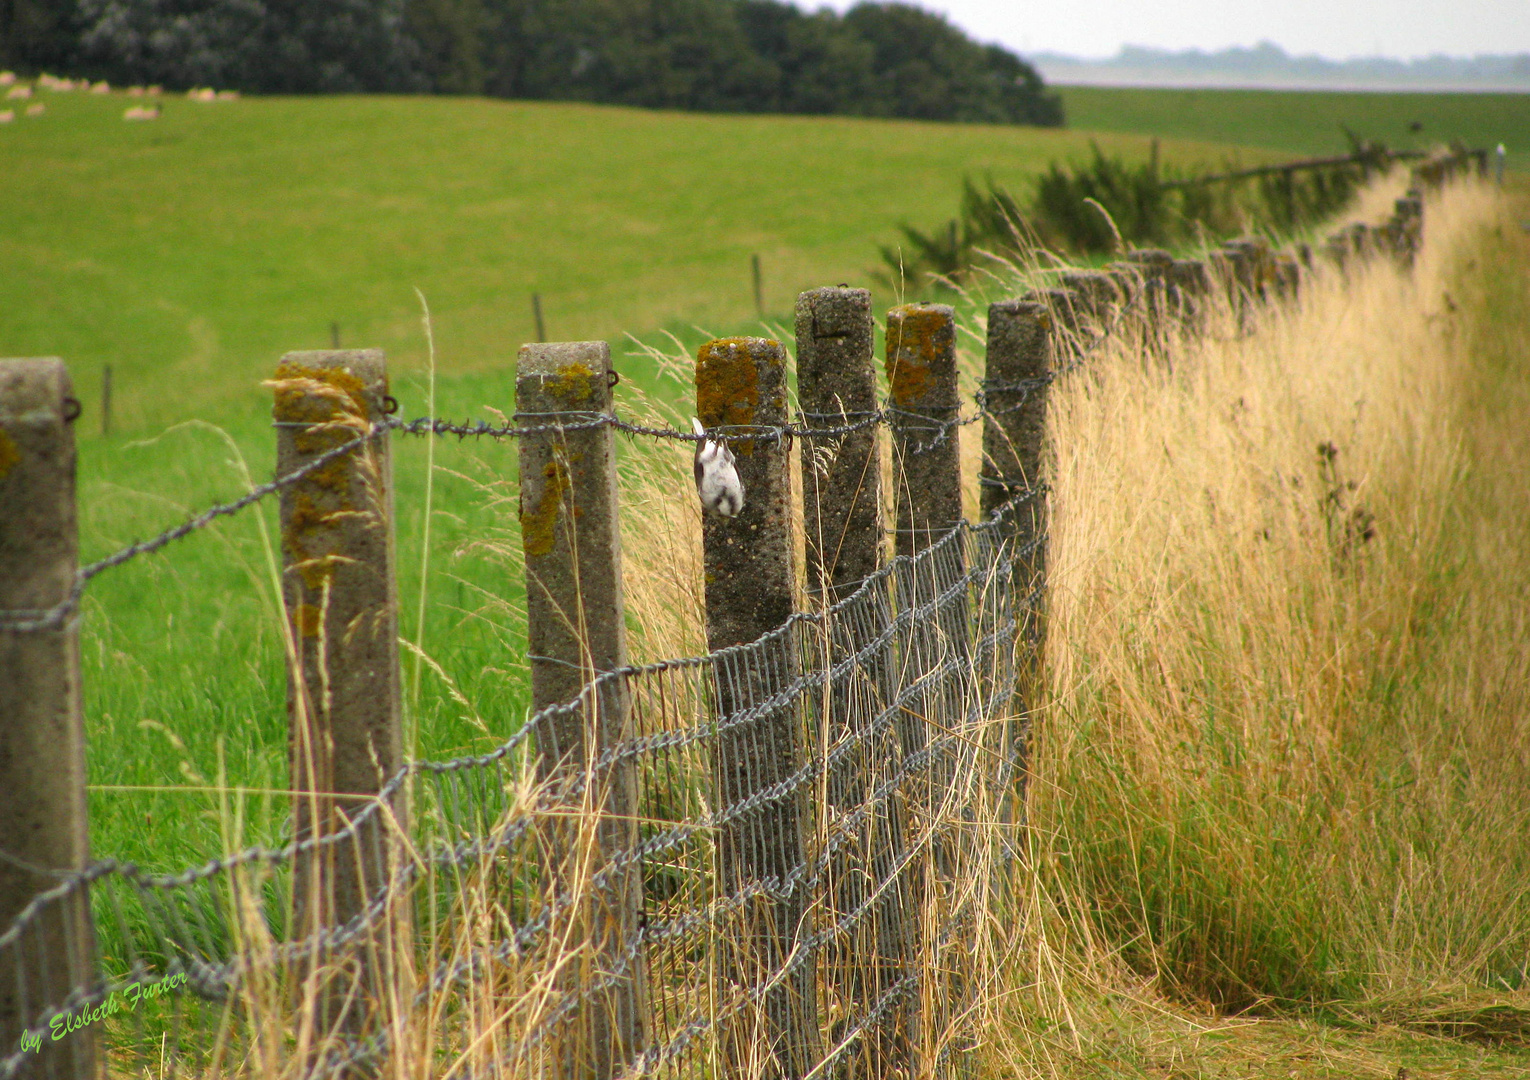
(9, 455)
(539, 525)
(728, 380)
(573, 384)
(914, 345)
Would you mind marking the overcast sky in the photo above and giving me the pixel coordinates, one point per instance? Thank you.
(1337, 29)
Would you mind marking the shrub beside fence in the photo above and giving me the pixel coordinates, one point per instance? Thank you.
(771, 860)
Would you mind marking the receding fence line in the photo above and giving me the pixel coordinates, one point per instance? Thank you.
(753, 853)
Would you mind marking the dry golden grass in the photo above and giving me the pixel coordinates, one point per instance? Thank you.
(1285, 761)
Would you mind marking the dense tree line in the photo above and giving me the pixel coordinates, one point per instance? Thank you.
(718, 55)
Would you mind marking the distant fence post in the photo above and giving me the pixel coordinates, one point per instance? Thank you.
(741, 385)
(842, 512)
(345, 738)
(42, 738)
(1094, 292)
(1189, 285)
(576, 630)
(1015, 385)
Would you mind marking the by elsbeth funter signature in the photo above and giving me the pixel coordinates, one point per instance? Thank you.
(118, 1000)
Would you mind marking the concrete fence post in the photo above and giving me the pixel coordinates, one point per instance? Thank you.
(1095, 292)
(924, 399)
(344, 734)
(842, 510)
(43, 830)
(740, 387)
(921, 373)
(1020, 350)
(1189, 284)
(576, 630)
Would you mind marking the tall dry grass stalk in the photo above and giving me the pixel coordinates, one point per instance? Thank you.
(1285, 760)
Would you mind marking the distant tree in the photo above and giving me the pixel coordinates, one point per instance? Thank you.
(275, 46)
(38, 35)
(712, 55)
(930, 70)
(451, 36)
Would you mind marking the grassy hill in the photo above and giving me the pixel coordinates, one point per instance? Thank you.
(189, 252)
(1299, 122)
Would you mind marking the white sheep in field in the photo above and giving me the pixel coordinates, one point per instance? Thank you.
(135, 91)
(7, 115)
(36, 110)
(21, 92)
(7, 78)
(141, 112)
(102, 87)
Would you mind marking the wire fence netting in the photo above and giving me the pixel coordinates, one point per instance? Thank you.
(778, 868)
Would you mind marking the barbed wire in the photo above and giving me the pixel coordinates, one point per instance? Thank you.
(55, 617)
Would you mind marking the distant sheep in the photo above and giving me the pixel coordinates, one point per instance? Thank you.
(36, 110)
(7, 78)
(141, 112)
(19, 92)
(7, 115)
(102, 87)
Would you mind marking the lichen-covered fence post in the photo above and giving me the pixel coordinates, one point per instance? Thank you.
(1019, 367)
(842, 519)
(926, 461)
(343, 710)
(740, 388)
(576, 630)
(42, 738)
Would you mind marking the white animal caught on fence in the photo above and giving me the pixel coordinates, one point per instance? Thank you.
(717, 482)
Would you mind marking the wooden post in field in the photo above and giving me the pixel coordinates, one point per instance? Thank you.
(741, 384)
(42, 739)
(759, 289)
(842, 512)
(343, 713)
(536, 315)
(576, 630)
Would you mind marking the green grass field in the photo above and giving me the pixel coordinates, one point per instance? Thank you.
(191, 251)
(1302, 123)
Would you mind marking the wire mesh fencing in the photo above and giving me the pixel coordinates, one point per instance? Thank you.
(509, 933)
